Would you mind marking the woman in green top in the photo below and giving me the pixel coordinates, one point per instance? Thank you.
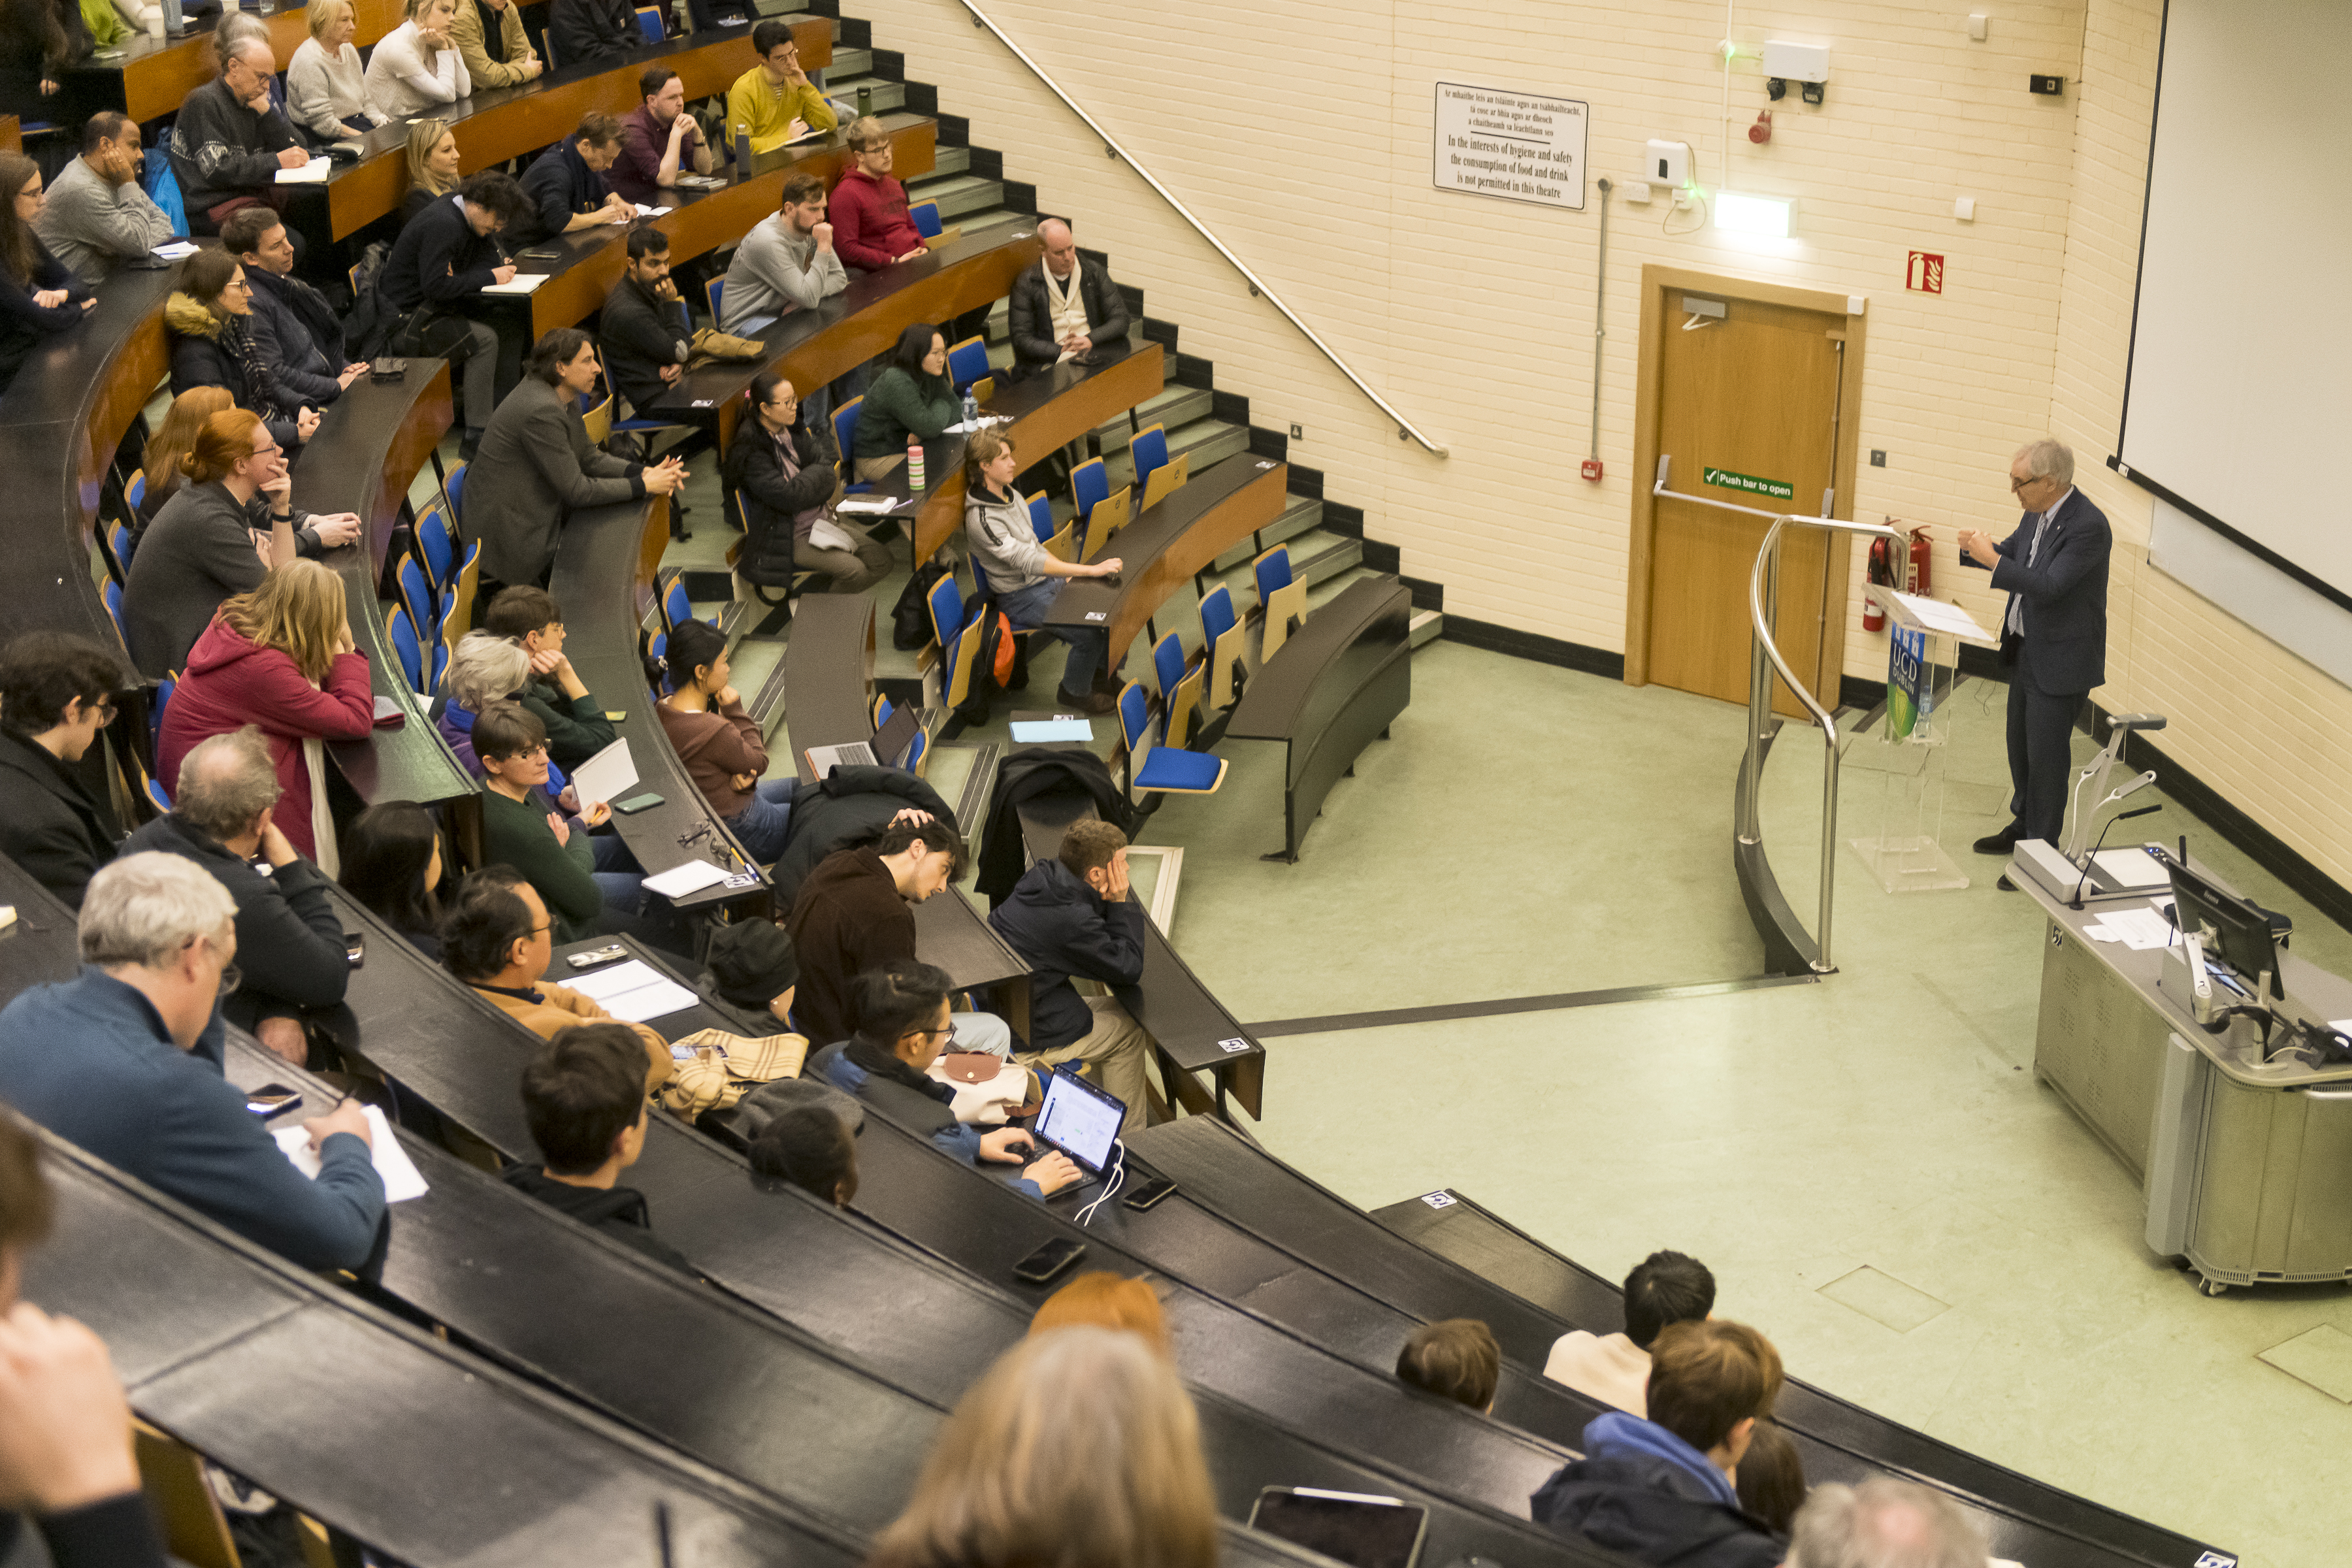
(589, 884)
(913, 397)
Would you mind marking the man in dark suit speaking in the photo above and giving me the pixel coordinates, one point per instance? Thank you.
(2054, 635)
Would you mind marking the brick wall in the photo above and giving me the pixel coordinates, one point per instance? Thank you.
(1299, 131)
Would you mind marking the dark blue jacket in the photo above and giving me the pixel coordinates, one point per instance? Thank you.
(903, 1097)
(91, 1060)
(1061, 928)
(290, 939)
(2065, 593)
(1641, 1490)
(561, 186)
(298, 336)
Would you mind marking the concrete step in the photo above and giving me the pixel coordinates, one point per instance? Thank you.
(887, 95)
(1302, 514)
(957, 195)
(1210, 441)
(847, 64)
(1426, 627)
(950, 161)
(1318, 557)
(1172, 408)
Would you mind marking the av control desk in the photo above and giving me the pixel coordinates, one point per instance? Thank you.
(2246, 1166)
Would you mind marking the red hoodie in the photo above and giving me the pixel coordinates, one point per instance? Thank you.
(871, 226)
(232, 683)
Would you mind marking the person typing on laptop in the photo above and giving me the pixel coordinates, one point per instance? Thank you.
(901, 1009)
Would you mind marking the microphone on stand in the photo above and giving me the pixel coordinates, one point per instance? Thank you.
(2076, 901)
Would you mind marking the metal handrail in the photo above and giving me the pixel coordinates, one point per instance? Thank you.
(1763, 593)
(1406, 429)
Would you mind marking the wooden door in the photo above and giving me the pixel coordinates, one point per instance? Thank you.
(1747, 408)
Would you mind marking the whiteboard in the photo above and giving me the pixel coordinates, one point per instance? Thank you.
(2239, 406)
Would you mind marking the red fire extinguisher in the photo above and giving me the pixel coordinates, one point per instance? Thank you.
(1880, 570)
(1920, 557)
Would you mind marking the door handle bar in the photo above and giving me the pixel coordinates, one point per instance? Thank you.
(1666, 470)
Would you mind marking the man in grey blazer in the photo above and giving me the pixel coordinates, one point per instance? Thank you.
(2053, 634)
(537, 465)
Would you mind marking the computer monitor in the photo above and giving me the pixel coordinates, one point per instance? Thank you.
(2235, 931)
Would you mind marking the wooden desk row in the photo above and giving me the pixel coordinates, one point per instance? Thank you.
(502, 123)
(1047, 412)
(697, 223)
(1167, 547)
(813, 348)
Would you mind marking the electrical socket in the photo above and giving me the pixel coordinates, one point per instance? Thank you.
(1298, 432)
(1637, 191)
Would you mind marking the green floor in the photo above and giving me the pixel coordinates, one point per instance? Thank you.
(1530, 831)
(1868, 1163)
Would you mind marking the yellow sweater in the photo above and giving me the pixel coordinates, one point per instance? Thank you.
(770, 110)
(559, 1007)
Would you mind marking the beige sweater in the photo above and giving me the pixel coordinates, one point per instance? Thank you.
(1608, 1367)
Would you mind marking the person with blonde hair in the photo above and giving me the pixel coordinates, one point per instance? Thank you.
(169, 448)
(1106, 1300)
(1079, 1448)
(233, 520)
(280, 658)
(416, 65)
(433, 167)
(325, 85)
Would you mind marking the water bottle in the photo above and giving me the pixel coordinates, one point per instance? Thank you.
(742, 150)
(174, 22)
(971, 412)
(865, 101)
(914, 463)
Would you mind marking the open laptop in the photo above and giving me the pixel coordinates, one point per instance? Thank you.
(1079, 1120)
(889, 748)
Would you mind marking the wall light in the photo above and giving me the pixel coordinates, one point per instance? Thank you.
(1763, 217)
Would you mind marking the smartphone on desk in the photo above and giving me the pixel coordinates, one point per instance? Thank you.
(272, 1100)
(1049, 1262)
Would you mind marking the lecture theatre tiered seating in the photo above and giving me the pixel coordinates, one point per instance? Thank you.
(579, 1402)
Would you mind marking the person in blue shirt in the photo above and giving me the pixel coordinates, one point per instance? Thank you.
(125, 1061)
(1660, 1490)
(901, 1010)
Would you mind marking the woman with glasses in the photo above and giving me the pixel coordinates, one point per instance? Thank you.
(782, 466)
(589, 882)
(209, 319)
(40, 295)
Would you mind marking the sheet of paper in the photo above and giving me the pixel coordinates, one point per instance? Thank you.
(2341, 1026)
(691, 878)
(872, 503)
(1040, 730)
(645, 211)
(2141, 930)
(313, 173)
(1939, 616)
(2130, 868)
(174, 249)
(402, 1180)
(965, 427)
(752, 326)
(524, 283)
(635, 990)
(2100, 934)
(608, 776)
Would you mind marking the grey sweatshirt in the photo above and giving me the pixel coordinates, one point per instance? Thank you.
(92, 226)
(774, 268)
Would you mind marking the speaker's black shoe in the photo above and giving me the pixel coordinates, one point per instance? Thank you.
(2000, 843)
(2005, 885)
